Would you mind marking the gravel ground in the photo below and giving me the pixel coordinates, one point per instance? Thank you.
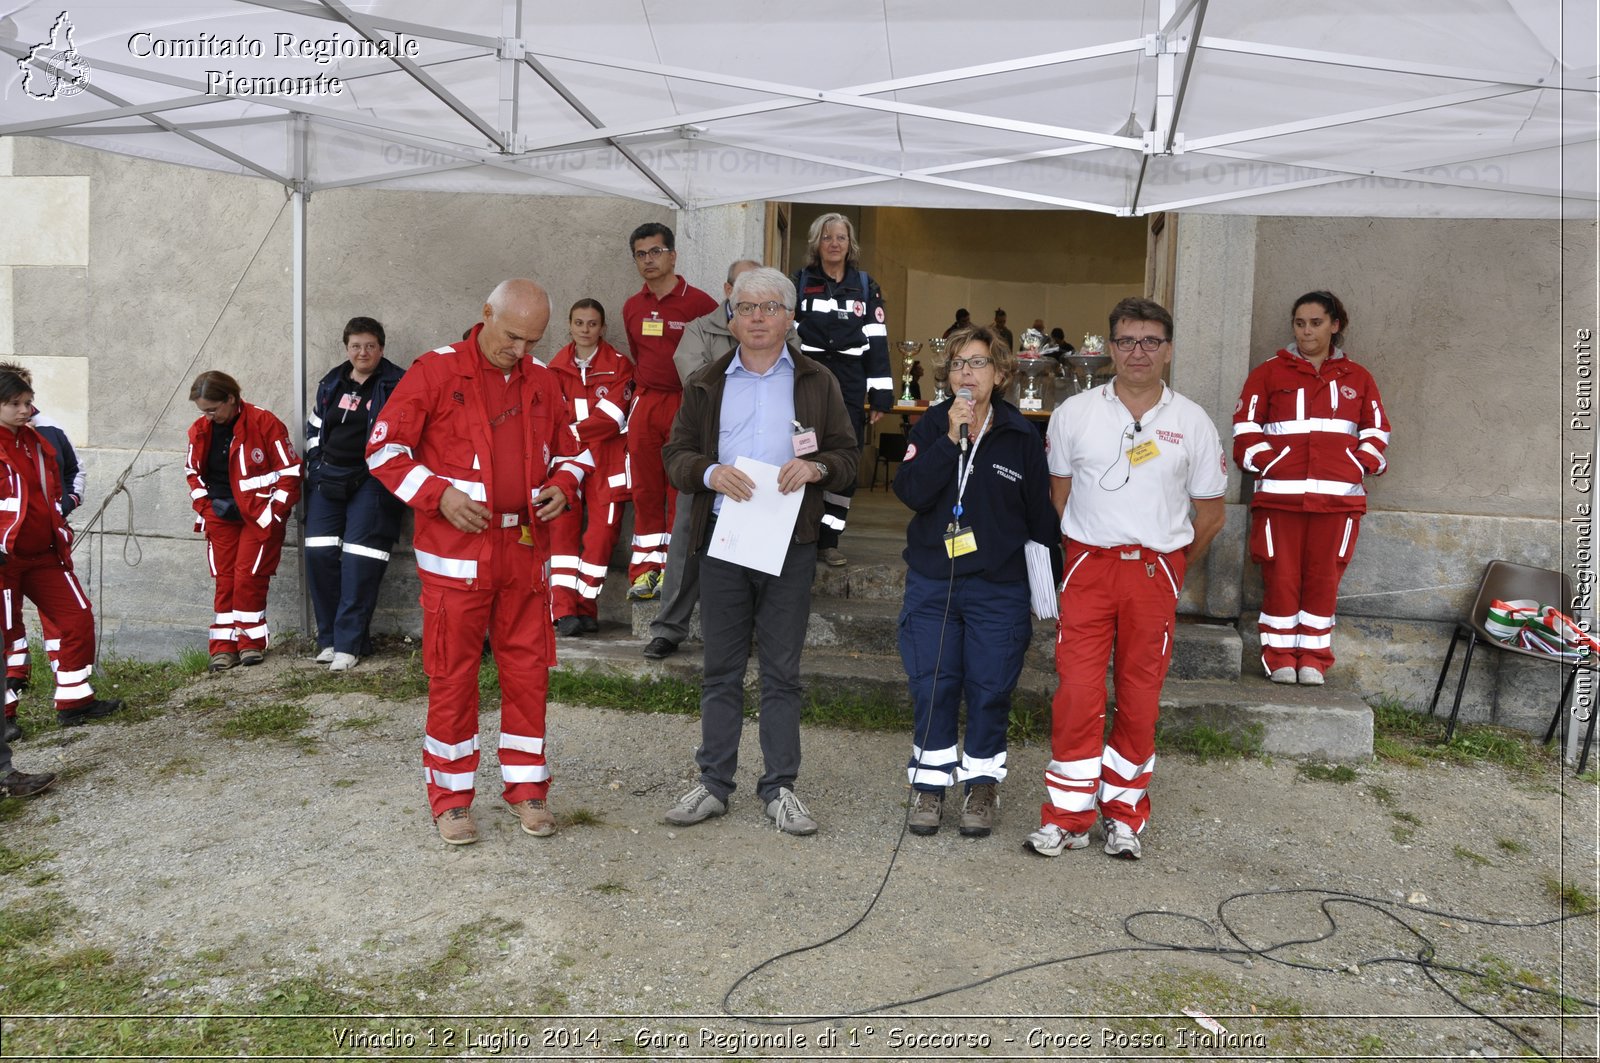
(315, 857)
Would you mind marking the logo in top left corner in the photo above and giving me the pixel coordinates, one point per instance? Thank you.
(54, 70)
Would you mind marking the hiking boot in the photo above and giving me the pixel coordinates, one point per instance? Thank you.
(324, 655)
(20, 784)
(831, 557)
(90, 711)
(1282, 675)
(790, 814)
(249, 658)
(536, 818)
(927, 809)
(588, 625)
(1121, 841)
(569, 627)
(14, 731)
(660, 649)
(221, 662)
(696, 806)
(456, 826)
(646, 588)
(977, 815)
(1051, 840)
(1309, 676)
(343, 662)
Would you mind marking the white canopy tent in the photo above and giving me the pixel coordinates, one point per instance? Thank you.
(1468, 108)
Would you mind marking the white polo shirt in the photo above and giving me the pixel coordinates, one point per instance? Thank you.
(1143, 499)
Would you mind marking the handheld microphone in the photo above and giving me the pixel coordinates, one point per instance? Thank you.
(965, 394)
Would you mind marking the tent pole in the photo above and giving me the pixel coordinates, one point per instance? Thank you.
(299, 193)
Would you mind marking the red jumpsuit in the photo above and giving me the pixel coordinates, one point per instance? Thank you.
(38, 548)
(1309, 436)
(435, 432)
(654, 327)
(264, 473)
(582, 538)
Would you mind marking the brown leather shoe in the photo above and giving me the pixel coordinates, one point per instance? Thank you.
(978, 814)
(221, 662)
(19, 784)
(456, 826)
(536, 818)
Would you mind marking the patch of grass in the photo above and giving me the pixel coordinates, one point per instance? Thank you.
(378, 678)
(182, 764)
(869, 711)
(144, 685)
(582, 817)
(1209, 743)
(26, 921)
(1338, 773)
(1409, 738)
(1490, 744)
(1395, 752)
(1461, 852)
(205, 703)
(358, 723)
(1405, 826)
(1573, 897)
(460, 958)
(12, 861)
(343, 784)
(610, 888)
(1510, 845)
(276, 720)
(1381, 794)
(607, 690)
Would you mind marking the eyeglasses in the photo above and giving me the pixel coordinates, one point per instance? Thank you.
(650, 252)
(770, 308)
(1149, 344)
(955, 365)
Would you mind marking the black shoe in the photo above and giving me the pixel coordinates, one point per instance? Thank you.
(16, 684)
(14, 732)
(18, 784)
(569, 627)
(660, 648)
(588, 625)
(84, 713)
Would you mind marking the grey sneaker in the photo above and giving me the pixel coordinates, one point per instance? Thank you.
(1121, 841)
(927, 808)
(790, 814)
(977, 815)
(696, 806)
(1283, 675)
(1051, 840)
(1309, 676)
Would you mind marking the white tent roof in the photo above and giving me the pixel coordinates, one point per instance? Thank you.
(1360, 107)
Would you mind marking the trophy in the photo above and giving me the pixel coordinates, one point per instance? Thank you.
(908, 350)
(1088, 360)
(937, 345)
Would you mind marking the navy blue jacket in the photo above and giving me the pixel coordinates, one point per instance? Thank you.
(1007, 501)
(387, 375)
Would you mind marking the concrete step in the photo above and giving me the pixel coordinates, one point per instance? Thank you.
(1321, 723)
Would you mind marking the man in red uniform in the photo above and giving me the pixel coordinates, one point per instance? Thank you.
(654, 318)
(467, 440)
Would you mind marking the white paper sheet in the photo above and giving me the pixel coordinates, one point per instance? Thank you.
(757, 533)
(1042, 587)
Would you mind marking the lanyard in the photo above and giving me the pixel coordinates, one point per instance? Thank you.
(965, 474)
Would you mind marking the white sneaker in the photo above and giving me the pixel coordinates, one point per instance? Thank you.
(1310, 677)
(1282, 675)
(343, 662)
(1121, 841)
(1051, 840)
(325, 656)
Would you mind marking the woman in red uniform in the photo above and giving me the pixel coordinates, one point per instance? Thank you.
(36, 554)
(244, 479)
(1310, 426)
(598, 384)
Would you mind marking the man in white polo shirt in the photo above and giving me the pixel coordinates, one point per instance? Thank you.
(1127, 461)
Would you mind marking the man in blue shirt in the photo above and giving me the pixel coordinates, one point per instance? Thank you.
(764, 402)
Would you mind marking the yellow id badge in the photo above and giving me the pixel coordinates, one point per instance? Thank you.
(1143, 452)
(652, 328)
(959, 541)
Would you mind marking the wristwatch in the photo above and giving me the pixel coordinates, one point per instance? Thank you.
(822, 468)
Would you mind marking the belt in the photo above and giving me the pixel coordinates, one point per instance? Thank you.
(1132, 552)
(508, 520)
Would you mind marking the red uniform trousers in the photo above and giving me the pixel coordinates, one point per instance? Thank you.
(243, 558)
(1132, 602)
(581, 541)
(1302, 557)
(510, 606)
(654, 502)
(65, 614)
(19, 662)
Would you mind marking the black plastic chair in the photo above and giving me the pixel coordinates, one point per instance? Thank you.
(891, 448)
(1507, 581)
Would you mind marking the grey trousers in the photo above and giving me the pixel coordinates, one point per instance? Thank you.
(680, 587)
(736, 602)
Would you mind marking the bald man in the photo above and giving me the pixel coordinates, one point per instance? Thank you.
(471, 440)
